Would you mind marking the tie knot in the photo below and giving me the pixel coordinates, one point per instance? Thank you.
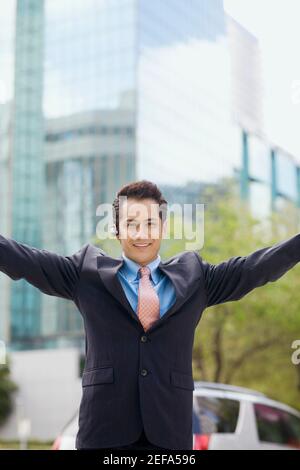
(144, 271)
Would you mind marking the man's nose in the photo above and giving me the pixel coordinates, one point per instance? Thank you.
(142, 233)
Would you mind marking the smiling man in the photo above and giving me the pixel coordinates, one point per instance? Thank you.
(140, 224)
(140, 314)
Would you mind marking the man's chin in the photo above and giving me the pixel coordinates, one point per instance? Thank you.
(141, 258)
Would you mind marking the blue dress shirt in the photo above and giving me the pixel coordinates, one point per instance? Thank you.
(129, 278)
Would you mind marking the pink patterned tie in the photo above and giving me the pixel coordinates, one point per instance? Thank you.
(148, 301)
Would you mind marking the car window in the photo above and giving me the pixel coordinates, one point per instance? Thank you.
(213, 415)
(277, 426)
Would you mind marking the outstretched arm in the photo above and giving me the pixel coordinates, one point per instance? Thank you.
(236, 277)
(51, 273)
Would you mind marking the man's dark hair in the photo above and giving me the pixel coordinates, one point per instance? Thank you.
(139, 190)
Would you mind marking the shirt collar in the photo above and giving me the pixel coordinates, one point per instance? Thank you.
(130, 268)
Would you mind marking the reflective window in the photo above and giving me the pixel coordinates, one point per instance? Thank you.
(277, 426)
(90, 54)
(185, 131)
(260, 199)
(286, 175)
(213, 415)
(259, 159)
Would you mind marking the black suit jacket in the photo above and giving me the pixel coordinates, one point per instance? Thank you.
(134, 379)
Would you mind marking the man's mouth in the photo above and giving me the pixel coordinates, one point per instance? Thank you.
(141, 245)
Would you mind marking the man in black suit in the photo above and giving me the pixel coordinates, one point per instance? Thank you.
(140, 316)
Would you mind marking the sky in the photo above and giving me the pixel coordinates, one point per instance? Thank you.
(276, 25)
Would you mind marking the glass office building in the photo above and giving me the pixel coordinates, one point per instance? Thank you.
(22, 155)
(109, 91)
(27, 162)
(185, 131)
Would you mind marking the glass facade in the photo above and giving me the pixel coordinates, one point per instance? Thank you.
(286, 176)
(109, 91)
(185, 132)
(259, 160)
(90, 55)
(89, 110)
(27, 159)
(270, 176)
(246, 77)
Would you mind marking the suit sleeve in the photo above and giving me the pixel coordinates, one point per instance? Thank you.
(51, 273)
(236, 277)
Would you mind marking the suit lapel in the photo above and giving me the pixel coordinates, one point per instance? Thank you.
(174, 268)
(107, 268)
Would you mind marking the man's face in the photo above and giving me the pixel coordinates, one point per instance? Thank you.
(140, 229)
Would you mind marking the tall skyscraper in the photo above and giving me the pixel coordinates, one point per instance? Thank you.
(23, 173)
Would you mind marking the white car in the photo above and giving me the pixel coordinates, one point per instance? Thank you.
(230, 417)
(227, 417)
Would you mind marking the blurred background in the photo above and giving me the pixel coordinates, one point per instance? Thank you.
(200, 96)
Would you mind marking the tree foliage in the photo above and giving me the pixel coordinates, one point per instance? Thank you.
(7, 387)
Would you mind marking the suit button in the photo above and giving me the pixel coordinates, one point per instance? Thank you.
(144, 339)
(144, 372)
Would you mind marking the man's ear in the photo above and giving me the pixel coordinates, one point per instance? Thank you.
(114, 231)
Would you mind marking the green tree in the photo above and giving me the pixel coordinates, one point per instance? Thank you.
(7, 388)
(249, 342)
